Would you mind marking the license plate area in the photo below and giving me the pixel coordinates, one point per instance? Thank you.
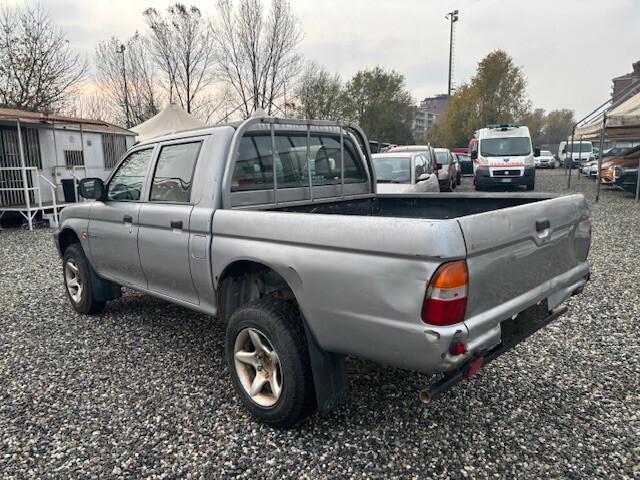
(527, 322)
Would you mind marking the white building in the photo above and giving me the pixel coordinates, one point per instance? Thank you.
(56, 152)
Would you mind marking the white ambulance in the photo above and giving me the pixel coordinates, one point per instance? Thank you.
(503, 156)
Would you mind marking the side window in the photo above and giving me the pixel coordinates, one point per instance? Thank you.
(254, 168)
(173, 177)
(429, 162)
(421, 165)
(126, 184)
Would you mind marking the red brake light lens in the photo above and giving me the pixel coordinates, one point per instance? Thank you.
(445, 302)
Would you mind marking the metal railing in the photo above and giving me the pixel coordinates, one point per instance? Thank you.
(272, 122)
(20, 190)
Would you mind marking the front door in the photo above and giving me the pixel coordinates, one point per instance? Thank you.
(163, 240)
(114, 223)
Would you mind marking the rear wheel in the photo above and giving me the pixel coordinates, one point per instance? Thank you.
(267, 355)
(78, 281)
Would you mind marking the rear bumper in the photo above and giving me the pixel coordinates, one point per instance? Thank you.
(425, 348)
(485, 179)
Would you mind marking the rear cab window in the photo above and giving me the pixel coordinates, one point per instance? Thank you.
(254, 168)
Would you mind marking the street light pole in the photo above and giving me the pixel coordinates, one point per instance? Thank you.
(121, 50)
(453, 18)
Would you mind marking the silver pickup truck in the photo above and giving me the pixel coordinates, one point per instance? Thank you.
(274, 227)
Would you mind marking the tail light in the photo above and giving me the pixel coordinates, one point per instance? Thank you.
(446, 300)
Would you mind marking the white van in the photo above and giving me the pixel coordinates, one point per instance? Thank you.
(580, 153)
(503, 155)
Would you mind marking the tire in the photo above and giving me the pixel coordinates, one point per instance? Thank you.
(81, 292)
(530, 187)
(278, 326)
(458, 180)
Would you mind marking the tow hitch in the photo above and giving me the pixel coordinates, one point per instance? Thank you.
(512, 334)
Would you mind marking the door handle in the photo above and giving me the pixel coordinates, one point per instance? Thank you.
(127, 219)
(176, 224)
(542, 225)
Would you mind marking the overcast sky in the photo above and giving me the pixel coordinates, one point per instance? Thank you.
(568, 49)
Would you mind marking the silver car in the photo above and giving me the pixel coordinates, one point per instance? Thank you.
(447, 169)
(404, 172)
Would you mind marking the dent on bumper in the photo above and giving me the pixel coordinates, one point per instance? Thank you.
(483, 332)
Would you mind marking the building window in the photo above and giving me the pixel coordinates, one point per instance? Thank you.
(73, 158)
(9, 152)
(113, 148)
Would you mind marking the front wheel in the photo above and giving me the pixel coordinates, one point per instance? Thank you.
(78, 281)
(267, 356)
(530, 187)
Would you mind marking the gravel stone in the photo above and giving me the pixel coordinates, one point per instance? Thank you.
(142, 389)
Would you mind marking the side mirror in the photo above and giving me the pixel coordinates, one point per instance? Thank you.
(536, 152)
(92, 188)
(424, 176)
(474, 155)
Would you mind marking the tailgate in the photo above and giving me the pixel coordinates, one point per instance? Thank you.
(528, 251)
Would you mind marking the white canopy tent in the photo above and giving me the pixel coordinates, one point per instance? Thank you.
(170, 120)
(623, 122)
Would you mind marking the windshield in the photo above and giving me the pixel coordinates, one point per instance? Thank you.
(504, 147)
(442, 157)
(579, 147)
(393, 169)
(546, 153)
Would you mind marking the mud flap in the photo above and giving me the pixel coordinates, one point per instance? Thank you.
(329, 377)
(103, 290)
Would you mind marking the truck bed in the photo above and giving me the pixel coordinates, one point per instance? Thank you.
(435, 206)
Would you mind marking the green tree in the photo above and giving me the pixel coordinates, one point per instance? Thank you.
(558, 124)
(380, 103)
(319, 94)
(536, 122)
(495, 94)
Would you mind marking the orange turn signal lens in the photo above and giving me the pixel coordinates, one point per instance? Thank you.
(451, 275)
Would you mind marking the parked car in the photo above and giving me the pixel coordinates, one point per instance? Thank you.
(466, 164)
(626, 178)
(503, 156)
(590, 168)
(615, 152)
(579, 153)
(447, 170)
(628, 159)
(545, 160)
(304, 263)
(404, 172)
(426, 150)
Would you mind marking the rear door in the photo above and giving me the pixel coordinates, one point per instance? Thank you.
(163, 240)
(514, 250)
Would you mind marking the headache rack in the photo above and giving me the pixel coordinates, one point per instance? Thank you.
(273, 196)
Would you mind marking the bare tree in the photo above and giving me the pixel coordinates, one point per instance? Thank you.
(257, 51)
(319, 94)
(37, 68)
(127, 77)
(93, 106)
(182, 47)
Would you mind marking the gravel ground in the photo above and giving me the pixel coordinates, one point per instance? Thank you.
(142, 389)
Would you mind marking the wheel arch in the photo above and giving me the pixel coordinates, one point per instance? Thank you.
(246, 279)
(67, 237)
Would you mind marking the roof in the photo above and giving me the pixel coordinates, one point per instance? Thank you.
(170, 120)
(48, 118)
(622, 120)
(407, 154)
(502, 132)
